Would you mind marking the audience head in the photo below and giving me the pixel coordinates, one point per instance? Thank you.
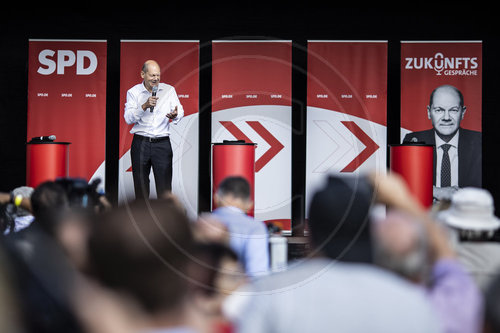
(400, 245)
(219, 268)
(234, 191)
(142, 250)
(471, 214)
(339, 219)
(48, 203)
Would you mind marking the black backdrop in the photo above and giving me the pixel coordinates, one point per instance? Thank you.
(288, 21)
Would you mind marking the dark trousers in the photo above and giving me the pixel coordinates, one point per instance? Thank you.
(146, 154)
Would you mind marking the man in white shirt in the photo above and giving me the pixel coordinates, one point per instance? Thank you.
(151, 106)
(458, 151)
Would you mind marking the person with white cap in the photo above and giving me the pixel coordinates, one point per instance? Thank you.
(472, 224)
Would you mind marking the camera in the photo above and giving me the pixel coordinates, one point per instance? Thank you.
(81, 194)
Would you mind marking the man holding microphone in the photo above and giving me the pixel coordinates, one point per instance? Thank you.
(152, 106)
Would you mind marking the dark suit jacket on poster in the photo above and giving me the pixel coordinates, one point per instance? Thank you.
(469, 154)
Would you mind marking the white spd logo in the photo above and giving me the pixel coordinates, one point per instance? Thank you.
(465, 66)
(52, 61)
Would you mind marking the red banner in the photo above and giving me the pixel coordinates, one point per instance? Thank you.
(349, 77)
(346, 109)
(179, 63)
(67, 98)
(427, 65)
(441, 102)
(251, 101)
(250, 73)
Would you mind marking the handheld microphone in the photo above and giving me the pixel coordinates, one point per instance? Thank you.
(155, 89)
(43, 138)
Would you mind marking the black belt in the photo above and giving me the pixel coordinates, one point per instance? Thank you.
(147, 138)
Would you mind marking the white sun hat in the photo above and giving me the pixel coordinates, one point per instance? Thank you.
(471, 209)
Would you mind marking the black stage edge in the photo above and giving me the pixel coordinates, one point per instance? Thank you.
(393, 94)
(205, 127)
(299, 116)
(113, 114)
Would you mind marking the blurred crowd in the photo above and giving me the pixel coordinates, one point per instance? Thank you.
(377, 261)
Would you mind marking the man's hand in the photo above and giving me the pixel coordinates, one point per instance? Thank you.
(443, 193)
(25, 202)
(151, 102)
(208, 229)
(172, 114)
(4, 198)
(392, 190)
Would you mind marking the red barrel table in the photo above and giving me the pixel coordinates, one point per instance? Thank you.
(46, 161)
(233, 158)
(415, 163)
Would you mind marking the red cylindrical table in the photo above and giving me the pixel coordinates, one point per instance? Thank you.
(415, 163)
(233, 158)
(46, 161)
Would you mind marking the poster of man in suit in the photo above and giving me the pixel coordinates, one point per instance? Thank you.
(453, 125)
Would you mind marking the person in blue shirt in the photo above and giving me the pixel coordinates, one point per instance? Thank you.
(248, 237)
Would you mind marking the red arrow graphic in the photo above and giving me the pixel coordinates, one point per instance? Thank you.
(371, 146)
(235, 131)
(275, 145)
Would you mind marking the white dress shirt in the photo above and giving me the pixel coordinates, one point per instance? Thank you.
(152, 124)
(452, 153)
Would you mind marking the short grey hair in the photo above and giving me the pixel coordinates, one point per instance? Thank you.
(413, 264)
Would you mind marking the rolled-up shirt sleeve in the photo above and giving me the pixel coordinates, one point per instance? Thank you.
(133, 110)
